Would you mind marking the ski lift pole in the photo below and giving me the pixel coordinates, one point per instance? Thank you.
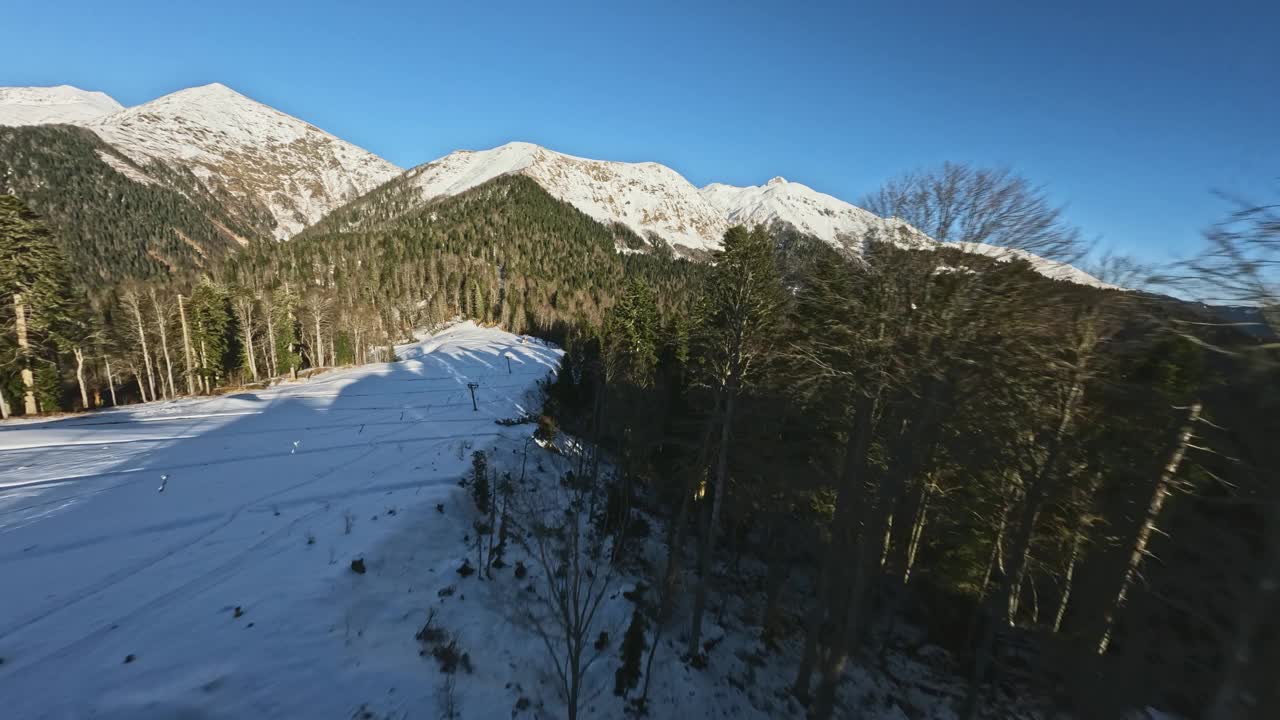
(472, 387)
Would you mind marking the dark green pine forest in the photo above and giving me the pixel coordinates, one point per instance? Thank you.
(115, 220)
(1073, 490)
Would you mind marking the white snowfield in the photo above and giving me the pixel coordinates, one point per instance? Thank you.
(61, 104)
(268, 497)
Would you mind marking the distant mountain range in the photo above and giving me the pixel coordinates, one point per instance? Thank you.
(274, 175)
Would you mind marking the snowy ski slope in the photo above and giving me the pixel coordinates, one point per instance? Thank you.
(96, 564)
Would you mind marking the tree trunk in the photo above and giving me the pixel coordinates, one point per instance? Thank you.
(135, 304)
(186, 348)
(319, 354)
(4, 406)
(111, 381)
(717, 503)
(272, 355)
(204, 365)
(1000, 603)
(84, 395)
(917, 532)
(844, 526)
(1067, 579)
(161, 325)
(1154, 507)
(680, 528)
(246, 324)
(28, 379)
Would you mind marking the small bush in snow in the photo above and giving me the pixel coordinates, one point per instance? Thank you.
(451, 657)
(430, 634)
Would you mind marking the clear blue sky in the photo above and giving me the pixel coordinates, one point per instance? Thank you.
(1131, 112)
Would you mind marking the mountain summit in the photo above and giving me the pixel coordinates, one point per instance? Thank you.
(646, 197)
(269, 161)
(829, 219)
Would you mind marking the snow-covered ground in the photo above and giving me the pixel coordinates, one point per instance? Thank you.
(268, 496)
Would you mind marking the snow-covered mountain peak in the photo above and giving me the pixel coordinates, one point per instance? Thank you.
(291, 169)
(61, 104)
(809, 211)
(200, 122)
(646, 197)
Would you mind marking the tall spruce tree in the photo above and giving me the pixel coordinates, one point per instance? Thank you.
(738, 316)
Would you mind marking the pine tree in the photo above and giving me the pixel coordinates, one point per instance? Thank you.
(210, 330)
(738, 315)
(48, 316)
(631, 336)
(284, 309)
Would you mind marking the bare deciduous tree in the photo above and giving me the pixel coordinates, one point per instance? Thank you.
(993, 206)
(576, 577)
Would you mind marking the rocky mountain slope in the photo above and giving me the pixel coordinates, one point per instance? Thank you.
(648, 198)
(61, 104)
(257, 157)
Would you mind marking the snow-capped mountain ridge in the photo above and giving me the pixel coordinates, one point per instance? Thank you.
(60, 104)
(281, 174)
(293, 170)
(652, 198)
(646, 197)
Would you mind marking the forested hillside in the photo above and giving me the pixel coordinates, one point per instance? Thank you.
(339, 293)
(1066, 490)
(114, 219)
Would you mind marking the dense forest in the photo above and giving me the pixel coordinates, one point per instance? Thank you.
(1072, 489)
(113, 219)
